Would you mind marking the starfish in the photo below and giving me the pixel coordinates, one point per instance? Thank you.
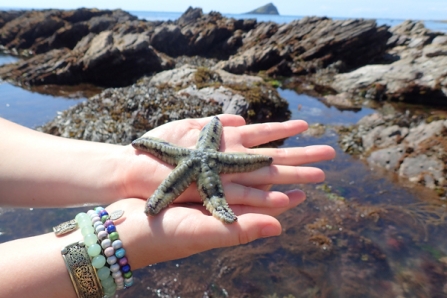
(202, 164)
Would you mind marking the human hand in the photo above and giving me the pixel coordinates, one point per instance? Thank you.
(145, 172)
(183, 230)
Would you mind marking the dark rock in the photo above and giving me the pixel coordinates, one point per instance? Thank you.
(9, 15)
(248, 96)
(309, 44)
(266, 9)
(120, 115)
(190, 16)
(106, 59)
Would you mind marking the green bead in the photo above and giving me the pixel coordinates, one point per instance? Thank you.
(103, 272)
(81, 216)
(84, 222)
(99, 261)
(87, 230)
(114, 236)
(104, 218)
(94, 250)
(128, 274)
(108, 282)
(110, 291)
(90, 239)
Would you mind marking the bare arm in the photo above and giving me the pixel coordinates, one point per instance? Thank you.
(41, 170)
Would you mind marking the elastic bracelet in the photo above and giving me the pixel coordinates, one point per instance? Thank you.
(82, 274)
(115, 252)
(103, 253)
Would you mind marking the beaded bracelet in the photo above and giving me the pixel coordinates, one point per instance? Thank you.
(102, 244)
(91, 225)
(115, 253)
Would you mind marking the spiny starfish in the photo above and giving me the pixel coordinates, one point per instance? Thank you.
(203, 164)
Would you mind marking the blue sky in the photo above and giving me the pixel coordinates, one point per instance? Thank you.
(396, 9)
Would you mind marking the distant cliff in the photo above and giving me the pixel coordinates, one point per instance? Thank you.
(266, 9)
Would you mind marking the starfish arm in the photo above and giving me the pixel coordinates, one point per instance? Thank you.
(172, 187)
(240, 162)
(209, 138)
(167, 152)
(211, 190)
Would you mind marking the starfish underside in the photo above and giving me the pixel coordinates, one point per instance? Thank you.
(203, 164)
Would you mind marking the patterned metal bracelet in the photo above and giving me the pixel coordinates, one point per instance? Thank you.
(82, 274)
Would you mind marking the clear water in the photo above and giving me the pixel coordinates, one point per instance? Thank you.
(28, 108)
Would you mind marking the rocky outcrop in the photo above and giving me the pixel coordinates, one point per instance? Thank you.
(407, 145)
(301, 47)
(307, 45)
(105, 59)
(195, 33)
(119, 115)
(266, 9)
(415, 72)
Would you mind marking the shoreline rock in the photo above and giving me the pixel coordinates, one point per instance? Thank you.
(407, 145)
(120, 115)
(302, 47)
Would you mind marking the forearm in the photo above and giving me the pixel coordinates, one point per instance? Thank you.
(40, 170)
(34, 267)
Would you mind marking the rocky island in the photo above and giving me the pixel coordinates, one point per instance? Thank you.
(266, 9)
(227, 65)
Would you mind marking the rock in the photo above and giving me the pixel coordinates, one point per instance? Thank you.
(420, 80)
(107, 59)
(381, 137)
(190, 16)
(342, 101)
(119, 115)
(425, 131)
(231, 102)
(244, 95)
(308, 44)
(266, 9)
(415, 168)
(440, 40)
(40, 31)
(414, 71)
(404, 144)
(388, 158)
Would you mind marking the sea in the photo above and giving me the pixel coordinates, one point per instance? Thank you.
(439, 26)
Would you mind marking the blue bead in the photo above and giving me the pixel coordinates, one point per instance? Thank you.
(111, 229)
(125, 268)
(121, 252)
(98, 209)
(102, 213)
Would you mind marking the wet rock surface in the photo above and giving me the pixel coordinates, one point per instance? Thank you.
(120, 115)
(406, 145)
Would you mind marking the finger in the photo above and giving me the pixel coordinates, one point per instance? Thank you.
(225, 119)
(297, 155)
(295, 196)
(243, 195)
(279, 175)
(258, 134)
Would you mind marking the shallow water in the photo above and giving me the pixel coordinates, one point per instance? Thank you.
(361, 234)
